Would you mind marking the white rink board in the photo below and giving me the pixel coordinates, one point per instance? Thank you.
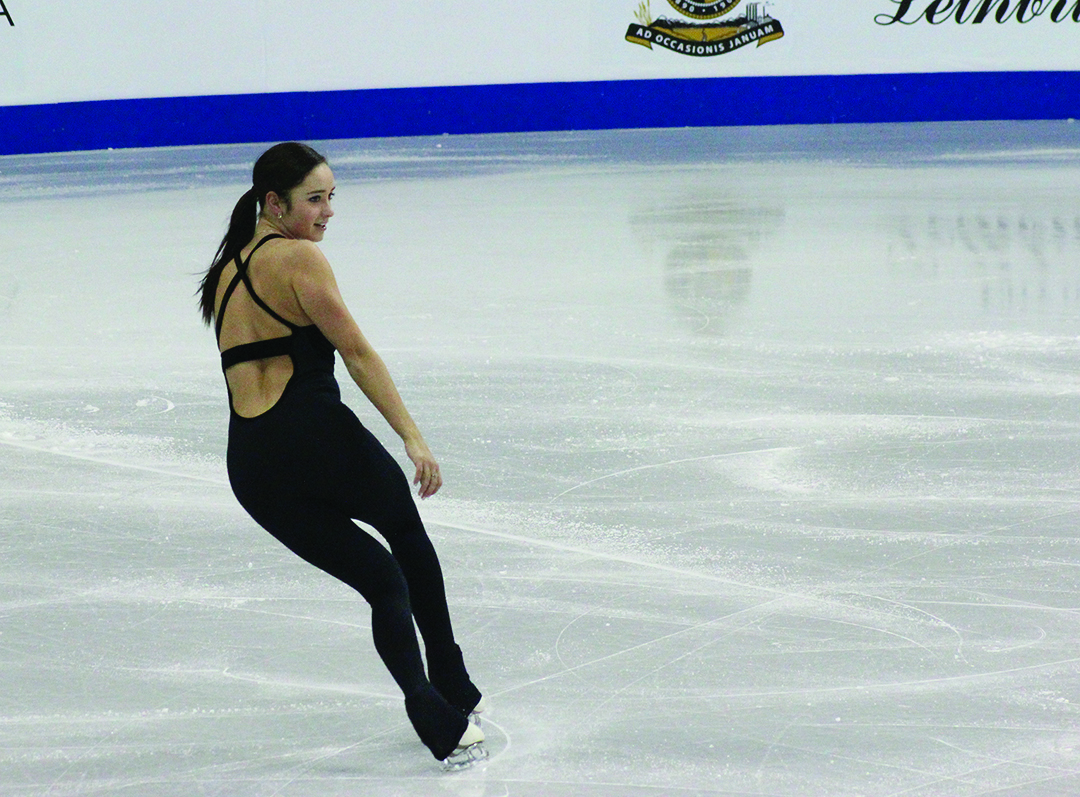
(66, 50)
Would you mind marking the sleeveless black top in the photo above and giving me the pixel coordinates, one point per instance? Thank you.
(306, 345)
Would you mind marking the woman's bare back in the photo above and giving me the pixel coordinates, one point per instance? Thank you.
(256, 385)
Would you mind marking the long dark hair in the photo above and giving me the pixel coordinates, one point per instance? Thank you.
(280, 169)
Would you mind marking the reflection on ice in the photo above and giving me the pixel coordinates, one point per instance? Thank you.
(1015, 263)
(708, 245)
(760, 469)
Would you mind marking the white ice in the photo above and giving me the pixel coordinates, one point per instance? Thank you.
(761, 459)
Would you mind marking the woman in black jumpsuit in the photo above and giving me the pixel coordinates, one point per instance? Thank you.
(302, 464)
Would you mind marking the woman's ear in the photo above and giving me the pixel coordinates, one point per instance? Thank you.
(274, 204)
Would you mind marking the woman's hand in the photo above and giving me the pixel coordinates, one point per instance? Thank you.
(428, 479)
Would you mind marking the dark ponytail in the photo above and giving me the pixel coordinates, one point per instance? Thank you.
(280, 169)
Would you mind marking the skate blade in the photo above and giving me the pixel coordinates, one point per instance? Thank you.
(465, 757)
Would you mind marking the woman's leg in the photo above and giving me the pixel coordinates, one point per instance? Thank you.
(382, 498)
(419, 563)
(336, 545)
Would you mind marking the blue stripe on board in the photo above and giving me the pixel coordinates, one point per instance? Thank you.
(693, 102)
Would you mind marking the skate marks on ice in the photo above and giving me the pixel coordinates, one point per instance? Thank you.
(836, 605)
(831, 666)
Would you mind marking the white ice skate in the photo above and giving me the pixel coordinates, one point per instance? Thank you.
(470, 749)
(478, 709)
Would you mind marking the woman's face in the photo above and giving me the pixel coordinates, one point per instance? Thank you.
(309, 205)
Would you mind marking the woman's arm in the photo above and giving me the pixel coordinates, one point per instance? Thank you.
(319, 298)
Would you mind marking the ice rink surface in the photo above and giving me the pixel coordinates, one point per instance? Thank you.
(761, 460)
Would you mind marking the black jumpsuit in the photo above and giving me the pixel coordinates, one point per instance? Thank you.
(303, 470)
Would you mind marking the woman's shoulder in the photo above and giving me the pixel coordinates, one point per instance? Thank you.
(289, 249)
(287, 254)
(296, 261)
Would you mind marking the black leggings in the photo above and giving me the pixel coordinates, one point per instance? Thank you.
(303, 470)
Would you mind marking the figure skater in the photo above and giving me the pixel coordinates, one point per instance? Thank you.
(299, 460)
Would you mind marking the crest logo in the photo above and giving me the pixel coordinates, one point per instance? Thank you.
(704, 39)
